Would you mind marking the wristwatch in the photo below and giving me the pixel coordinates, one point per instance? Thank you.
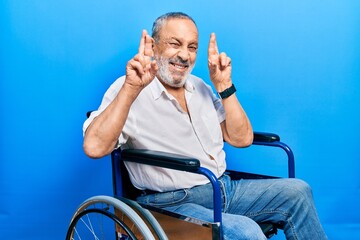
(227, 92)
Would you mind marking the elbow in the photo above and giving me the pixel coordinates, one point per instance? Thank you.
(249, 140)
(243, 141)
(93, 150)
(95, 147)
(246, 141)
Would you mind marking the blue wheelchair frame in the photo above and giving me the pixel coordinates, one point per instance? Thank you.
(181, 163)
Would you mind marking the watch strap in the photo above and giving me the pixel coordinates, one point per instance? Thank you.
(227, 92)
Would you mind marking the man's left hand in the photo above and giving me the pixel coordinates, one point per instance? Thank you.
(219, 66)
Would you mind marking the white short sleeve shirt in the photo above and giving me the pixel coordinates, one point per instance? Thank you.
(157, 122)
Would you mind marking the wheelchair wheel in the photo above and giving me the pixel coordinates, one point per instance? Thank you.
(148, 217)
(104, 217)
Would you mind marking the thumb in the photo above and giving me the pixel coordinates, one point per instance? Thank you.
(154, 68)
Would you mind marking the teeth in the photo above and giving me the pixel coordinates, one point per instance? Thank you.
(179, 66)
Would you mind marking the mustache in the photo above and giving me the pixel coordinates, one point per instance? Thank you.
(178, 60)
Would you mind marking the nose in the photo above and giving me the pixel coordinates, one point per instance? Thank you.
(184, 54)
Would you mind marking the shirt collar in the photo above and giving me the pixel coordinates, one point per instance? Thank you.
(157, 88)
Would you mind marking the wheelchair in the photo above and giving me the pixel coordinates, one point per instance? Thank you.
(120, 217)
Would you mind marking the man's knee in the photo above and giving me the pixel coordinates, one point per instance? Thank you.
(241, 227)
(300, 188)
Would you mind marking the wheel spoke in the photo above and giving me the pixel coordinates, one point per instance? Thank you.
(102, 217)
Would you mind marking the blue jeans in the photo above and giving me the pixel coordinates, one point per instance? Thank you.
(287, 202)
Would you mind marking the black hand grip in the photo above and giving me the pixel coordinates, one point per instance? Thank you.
(161, 159)
(266, 137)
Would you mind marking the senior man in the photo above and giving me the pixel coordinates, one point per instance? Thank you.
(159, 105)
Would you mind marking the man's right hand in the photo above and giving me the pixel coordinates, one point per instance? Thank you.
(141, 69)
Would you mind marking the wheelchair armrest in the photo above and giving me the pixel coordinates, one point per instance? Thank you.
(161, 159)
(273, 140)
(266, 137)
(177, 162)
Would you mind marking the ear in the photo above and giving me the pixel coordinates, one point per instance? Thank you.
(153, 43)
(155, 46)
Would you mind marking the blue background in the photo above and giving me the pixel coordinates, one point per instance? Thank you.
(296, 65)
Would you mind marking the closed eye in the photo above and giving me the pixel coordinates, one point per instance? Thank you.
(174, 44)
(192, 48)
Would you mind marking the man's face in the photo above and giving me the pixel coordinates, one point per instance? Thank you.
(176, 51)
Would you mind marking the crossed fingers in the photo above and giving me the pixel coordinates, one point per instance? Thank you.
(145, 46)
(144, 57)
(141, 69)
(215, 59)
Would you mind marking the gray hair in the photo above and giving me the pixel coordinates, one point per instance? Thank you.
(160, 21)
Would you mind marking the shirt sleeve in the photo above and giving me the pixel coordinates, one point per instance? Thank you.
(219, 108)
(217, 104)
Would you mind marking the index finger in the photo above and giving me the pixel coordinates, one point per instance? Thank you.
(148, 50)
(142, 42)
(213, 49)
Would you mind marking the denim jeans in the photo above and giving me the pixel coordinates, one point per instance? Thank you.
(287, 202)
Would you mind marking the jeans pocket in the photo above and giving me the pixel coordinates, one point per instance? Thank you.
(165, 199)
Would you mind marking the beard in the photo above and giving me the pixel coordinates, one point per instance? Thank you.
(176, 80)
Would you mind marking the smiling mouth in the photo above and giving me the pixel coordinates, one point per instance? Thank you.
(179, 66)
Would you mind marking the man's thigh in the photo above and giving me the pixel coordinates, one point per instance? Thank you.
(264, 199)
(234, 226)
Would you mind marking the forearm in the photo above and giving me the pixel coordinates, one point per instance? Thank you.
(237, 129)
(102, 134)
